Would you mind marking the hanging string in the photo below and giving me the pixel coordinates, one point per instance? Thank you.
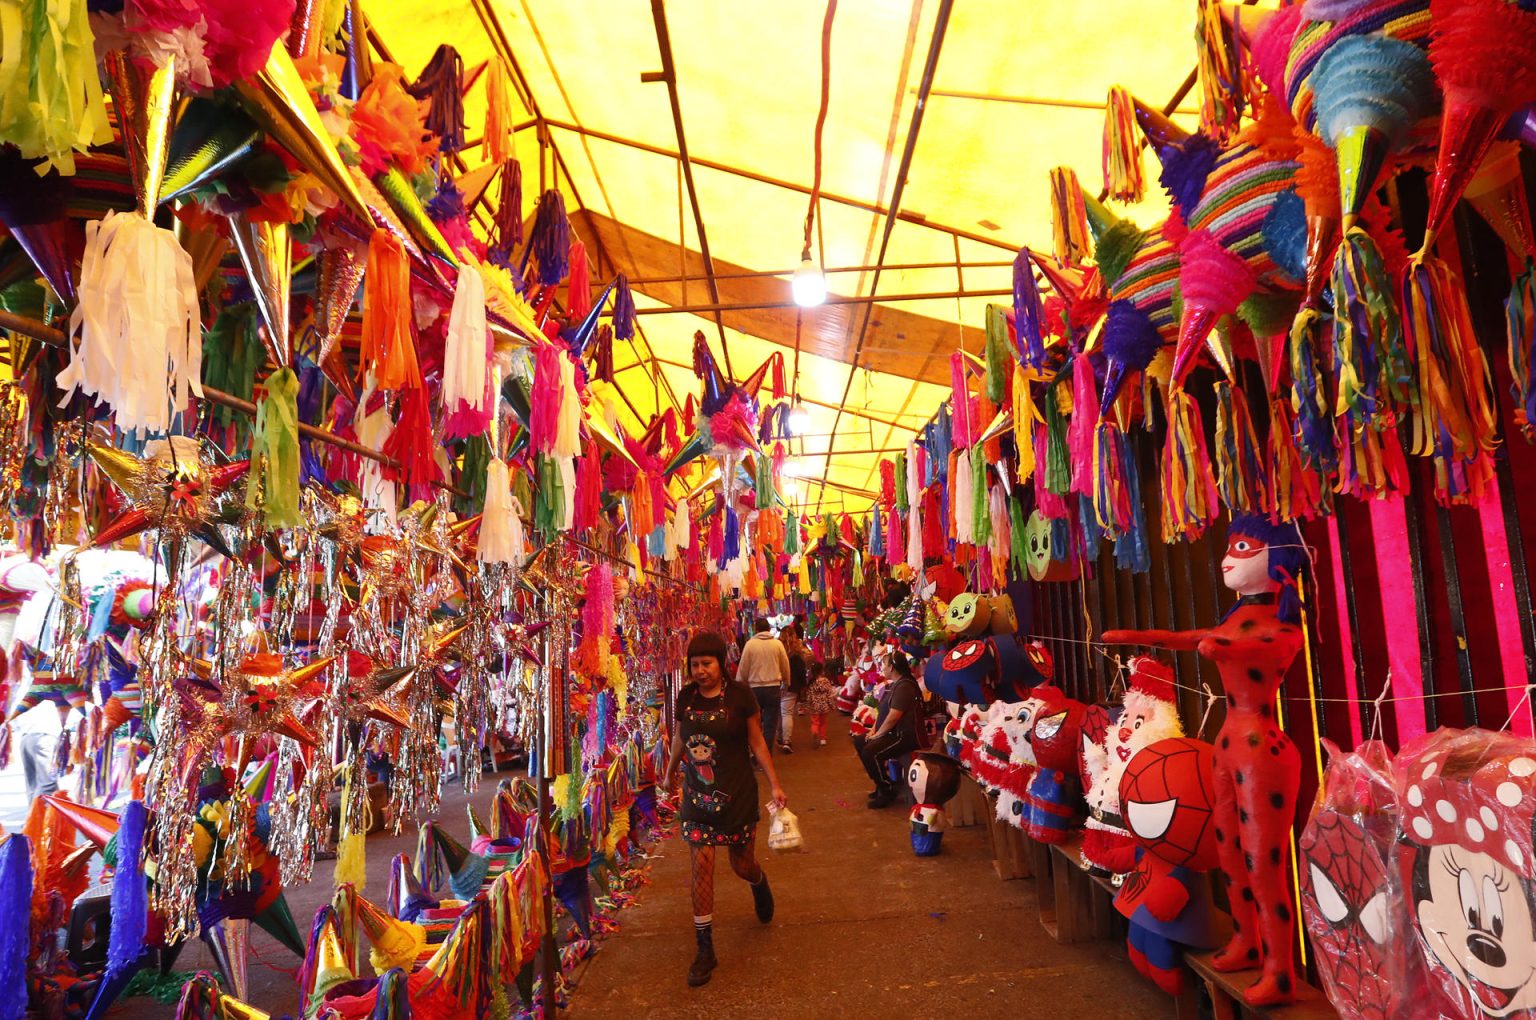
(1210, 703)
(821, 121)
(1525, 699)
(1103, 649)
(1376, 706)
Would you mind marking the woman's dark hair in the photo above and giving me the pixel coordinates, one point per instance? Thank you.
(706, 643)
(813, 670)
(902, 664)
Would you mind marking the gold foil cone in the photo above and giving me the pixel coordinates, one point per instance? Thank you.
(307, 672)
(281, 101)
(1498, 195)
(230, 940)
(1219, 343)
(123, 468)
(605, 436)
(1361, 153)
(231, 1008)
(143, 97)
(1001, 424)
(331, 967)
(395, 943)
(267, 256)
(340, 271)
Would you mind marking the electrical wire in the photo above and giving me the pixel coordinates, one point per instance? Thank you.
(821, 121)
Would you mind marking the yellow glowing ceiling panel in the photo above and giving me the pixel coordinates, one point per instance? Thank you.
(1017, 91)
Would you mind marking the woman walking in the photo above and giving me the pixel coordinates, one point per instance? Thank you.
(718, 731)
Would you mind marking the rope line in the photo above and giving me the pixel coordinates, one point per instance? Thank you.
(1122, 669)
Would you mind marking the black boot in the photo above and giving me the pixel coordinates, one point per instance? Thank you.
(762, 899)
(704, 962)
(882, 797)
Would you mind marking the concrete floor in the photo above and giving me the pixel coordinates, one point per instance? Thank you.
(863, 927)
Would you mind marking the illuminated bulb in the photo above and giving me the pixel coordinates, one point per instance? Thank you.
(799, 422)
(809, 287)
(794, 468)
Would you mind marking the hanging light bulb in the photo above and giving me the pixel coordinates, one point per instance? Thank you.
(809, 287)
(799, 422)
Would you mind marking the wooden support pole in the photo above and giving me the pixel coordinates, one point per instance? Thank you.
(56, 338)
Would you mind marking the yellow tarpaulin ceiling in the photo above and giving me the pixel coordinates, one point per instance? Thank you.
(1018, 89)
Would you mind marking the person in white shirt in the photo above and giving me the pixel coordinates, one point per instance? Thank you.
(764, 667)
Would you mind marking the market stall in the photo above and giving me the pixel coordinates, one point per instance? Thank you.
(376, 414)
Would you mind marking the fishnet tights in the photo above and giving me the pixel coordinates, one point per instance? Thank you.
(743, 861)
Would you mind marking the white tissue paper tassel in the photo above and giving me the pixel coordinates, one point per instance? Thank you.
(965, 522)
(568, 435)
(465, 348)
(501, 527)
(140, 339)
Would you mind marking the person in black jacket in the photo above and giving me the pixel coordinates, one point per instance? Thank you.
(896, 730)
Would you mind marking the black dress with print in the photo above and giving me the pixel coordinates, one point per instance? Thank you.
(719, 790)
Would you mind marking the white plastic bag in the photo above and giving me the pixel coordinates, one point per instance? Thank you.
(784, 830)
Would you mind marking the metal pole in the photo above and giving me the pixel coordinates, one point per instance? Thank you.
(930, 68)
(55, 338)
(829, 271)
(669, 75)
(854, 203)
(832, 299)
(549, 945)
(870, 415)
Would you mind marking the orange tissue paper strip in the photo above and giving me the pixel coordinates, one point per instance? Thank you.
(387, 346)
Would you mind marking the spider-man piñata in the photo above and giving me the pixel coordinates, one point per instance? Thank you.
(1166, 796)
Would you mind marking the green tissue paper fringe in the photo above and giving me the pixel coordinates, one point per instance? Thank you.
(275, 452)
(1058, 467)
(981, 511)
(1018, 542)
(474, 461)
(999, 360)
